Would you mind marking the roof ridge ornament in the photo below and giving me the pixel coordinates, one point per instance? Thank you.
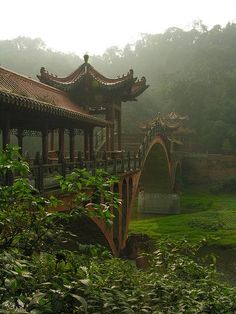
(131, 73)
(86, 57)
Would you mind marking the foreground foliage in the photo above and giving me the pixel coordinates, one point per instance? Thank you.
(37, 276)
(84, 283)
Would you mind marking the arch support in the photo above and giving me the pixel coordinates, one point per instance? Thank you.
(155, 183)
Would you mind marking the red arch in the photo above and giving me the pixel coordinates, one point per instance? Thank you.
(134, 178)
(157, 140)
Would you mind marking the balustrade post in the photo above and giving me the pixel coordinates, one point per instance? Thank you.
(114, 165)
(128, 157)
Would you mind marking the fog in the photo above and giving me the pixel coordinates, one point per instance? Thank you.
(92, 26)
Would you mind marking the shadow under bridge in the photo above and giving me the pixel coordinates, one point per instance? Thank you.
(156, 182)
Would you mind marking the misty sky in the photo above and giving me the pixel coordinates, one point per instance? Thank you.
(91, 26)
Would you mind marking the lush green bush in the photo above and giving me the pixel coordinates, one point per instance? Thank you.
(38, 277)
(78, 283)
(25, 220)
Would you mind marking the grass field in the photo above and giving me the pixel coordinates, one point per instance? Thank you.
(203, 215)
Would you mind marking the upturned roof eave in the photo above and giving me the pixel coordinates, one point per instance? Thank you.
(133, 95)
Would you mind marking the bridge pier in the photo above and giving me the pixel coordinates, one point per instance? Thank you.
(158, 203)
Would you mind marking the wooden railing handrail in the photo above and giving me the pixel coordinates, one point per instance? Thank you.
(113, 162)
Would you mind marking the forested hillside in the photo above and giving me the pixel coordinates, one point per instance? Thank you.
(192, 72)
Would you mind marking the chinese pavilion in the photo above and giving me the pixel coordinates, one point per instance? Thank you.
(175, 128)
(79, 102)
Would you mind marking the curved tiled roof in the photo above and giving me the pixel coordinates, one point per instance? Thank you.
(126, 86)
(24, 91)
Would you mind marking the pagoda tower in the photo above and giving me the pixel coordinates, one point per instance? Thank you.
(98, 95)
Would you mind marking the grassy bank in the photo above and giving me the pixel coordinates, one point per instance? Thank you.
(203, 215)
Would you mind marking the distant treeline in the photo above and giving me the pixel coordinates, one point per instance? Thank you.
(192, 72)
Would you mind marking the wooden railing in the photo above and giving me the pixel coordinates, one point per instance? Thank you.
(154, 130)
(43, 176)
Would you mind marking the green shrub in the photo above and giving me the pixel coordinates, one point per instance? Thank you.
(38, 278)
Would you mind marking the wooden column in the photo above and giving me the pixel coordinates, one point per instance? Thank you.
(112, 139)
(91, 146)
(112, 115)
(72, 145)
(52, 140)
(45, 144)
(20, 139)
(6, 131)
(86, 143)
(108, 146)
(119, 129)
(61, 142)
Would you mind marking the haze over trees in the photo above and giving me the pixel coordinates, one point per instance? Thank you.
(192, 72)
